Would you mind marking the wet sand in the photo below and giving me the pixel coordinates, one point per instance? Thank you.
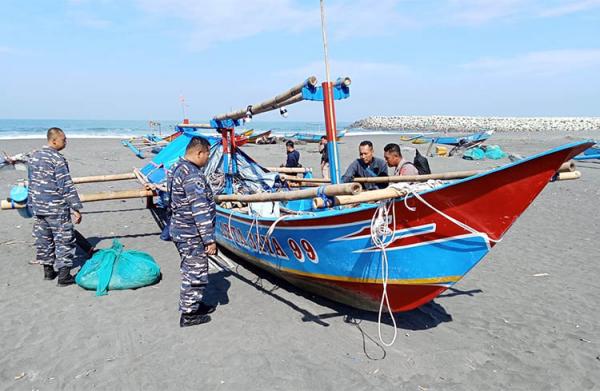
(525, 318)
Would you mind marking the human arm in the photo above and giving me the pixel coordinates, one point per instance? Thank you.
(202, 207)
(65, 186)
(351, 172)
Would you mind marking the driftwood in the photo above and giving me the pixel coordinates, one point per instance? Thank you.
(283, 99)
(329, 190)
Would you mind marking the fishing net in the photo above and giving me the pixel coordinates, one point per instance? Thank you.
(114, 268)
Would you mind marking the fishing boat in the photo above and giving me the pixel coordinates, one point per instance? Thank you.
(410, 247)
(315, 138)
(592, 153)
(255, 138)
(456, 141)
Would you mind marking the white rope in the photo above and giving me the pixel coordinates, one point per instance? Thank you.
(449, 218)
(379, 232)
(270, 231)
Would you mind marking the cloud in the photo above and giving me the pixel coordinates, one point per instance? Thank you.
(542, 63)
(570, 7)
(90, 21)
(353, 69)
(475, 12)
(227, 20)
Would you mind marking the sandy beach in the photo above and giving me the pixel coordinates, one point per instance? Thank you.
(525, 318)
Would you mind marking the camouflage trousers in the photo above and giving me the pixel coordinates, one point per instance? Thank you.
(54, 240)
(194, 274)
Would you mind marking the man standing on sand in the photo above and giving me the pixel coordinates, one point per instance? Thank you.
(366, 166)
(192, 229)
(324, 157)
(52, 196)
(393, 157)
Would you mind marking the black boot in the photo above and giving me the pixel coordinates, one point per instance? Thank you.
(64, 277)
(204, 309)
(193, 319)
(49, 273)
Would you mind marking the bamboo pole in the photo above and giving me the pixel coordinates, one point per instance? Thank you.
(567, 176)
(290, 170)
(568, 166)
(199, 126)
(104, 178)
(330, 191)
(366, 196)
(269, 104)
(93, 197)
(419, 178)
(116, 195)
(304, 180)
(388, 193)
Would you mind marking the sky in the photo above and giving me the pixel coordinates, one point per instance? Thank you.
(134, 59)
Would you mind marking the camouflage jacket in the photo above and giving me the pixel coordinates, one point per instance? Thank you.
(191, 202)
(51, 189)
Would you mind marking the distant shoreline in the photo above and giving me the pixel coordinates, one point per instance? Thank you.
(476, 124)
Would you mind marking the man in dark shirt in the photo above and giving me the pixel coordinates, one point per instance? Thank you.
(366, 166)
(293, 156)
(324, 157)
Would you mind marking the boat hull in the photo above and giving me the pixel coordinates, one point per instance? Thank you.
(331, 254)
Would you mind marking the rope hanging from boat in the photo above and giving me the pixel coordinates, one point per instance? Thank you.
(380, 231)
(464, 226)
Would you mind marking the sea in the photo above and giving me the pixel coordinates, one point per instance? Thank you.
(120, 129)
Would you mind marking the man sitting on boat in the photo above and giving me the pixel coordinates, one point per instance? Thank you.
(393, 157)
(293, 156)
(366, 166)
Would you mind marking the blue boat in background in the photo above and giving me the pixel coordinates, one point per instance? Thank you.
(455, 141)
(589, 154)
(315, 138)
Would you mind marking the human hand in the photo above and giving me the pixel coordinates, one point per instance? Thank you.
(76, 217)
(211, 249)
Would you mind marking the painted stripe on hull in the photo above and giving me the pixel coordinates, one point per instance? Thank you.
(403, 296)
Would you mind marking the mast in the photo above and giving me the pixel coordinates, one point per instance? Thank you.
(329, 109)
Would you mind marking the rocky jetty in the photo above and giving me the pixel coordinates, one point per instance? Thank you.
(476, 124)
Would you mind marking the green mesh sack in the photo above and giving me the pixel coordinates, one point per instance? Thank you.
(114, 268)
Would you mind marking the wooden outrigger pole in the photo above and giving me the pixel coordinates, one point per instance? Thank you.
(291, 96)
(329, 108)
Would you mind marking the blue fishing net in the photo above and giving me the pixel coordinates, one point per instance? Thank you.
(494, 152)
(114, 268)
(474, 154)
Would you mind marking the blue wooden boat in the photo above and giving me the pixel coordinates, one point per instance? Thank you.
(455, 141)
(589, 154)
(315, 138)
(405, 250)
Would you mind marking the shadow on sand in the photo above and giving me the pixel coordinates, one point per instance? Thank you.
(422, 318)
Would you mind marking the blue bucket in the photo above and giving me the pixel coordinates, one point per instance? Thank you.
(18, 195)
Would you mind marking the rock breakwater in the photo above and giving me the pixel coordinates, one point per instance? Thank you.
(476, 124)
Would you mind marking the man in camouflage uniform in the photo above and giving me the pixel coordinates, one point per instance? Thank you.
(192, 229)
(52, 195)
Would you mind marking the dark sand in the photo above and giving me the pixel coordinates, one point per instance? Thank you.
(501, 327)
